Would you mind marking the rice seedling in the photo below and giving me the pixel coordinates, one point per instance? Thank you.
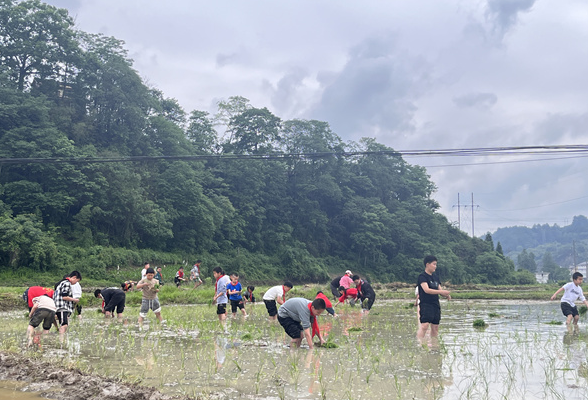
(502, 362)
(479, 323)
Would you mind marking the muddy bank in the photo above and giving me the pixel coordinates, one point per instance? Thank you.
(59, 383)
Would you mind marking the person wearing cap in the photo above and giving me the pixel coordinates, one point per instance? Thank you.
(346, 280)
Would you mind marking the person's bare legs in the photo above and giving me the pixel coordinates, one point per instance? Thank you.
(30, 333)
(422, 331)
(434, 330)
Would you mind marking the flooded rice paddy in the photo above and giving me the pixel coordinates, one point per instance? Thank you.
(522, 354)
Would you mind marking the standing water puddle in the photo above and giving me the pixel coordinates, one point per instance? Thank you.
(520, 355)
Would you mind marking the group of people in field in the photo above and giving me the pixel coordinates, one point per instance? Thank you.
(298, 316)
(53, 306)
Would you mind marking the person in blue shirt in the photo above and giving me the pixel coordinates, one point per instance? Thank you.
(234, 291)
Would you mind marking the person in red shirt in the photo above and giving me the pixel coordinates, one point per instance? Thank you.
(35, 291)
(350, 294)
(328, 304)
(179, 277)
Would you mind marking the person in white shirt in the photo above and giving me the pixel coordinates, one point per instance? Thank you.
(76, 291)
(276, 293)
(43, 311)
(144, 271)
(572, 293)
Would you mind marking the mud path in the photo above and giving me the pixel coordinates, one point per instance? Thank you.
(60, 383)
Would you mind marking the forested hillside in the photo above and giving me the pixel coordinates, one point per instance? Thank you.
(562, 245)
(98, 169)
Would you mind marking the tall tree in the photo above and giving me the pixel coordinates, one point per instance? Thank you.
(201, 132)
(36, 41)
(254, 131)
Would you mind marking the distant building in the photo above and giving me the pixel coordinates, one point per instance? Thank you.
(542, 277)
(581, 268)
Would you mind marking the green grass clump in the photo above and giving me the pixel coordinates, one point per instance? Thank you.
(582, 310)
(480, 323)
(247, 336)
(355, 329)
(554, 323)
(493, 315)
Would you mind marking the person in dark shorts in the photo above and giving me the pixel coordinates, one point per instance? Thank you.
(367, 295)
(220, 294)
(234, 290)
(276, 293)
(248, 295)
(429, 291)
(298, 318)
(43, 310)
(335, 287)
(572, 293)
(64, 300)
(113, 299)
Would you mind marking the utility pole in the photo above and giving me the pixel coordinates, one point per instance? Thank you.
(459, 212)
(574, 250)
(473, 214)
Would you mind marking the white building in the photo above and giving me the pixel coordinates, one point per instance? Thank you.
(542, 277)
(581, 268)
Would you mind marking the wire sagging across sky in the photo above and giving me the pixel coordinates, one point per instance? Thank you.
(573, 151)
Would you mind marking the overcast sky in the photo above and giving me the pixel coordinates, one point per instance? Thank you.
(414, 74)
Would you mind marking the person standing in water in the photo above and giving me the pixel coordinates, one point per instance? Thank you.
(429, 291)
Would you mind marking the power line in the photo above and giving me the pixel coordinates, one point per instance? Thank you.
(460, 152)
(543, 205)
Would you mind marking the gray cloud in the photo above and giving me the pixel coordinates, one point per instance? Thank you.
(504, 14)
(285, 95)
(476, 100)
(375, 90)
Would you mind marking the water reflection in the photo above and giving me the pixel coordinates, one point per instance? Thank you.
(518, 356)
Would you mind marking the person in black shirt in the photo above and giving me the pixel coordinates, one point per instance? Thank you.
(365, 291)
(113, 298)
(429, 290)
(335, 287)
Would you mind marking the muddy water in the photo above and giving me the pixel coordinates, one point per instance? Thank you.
(518, 356)
(10, 390)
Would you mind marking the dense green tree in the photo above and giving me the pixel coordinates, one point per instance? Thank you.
(547, 263)
(499, 249)
(488, 239)
(24, 241)
(201, 133)
(527, 261)
(255, 130)
(36, 41)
